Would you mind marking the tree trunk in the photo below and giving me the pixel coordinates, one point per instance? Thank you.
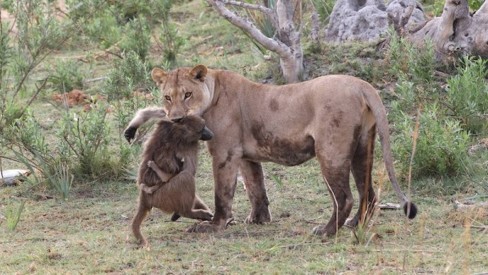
(454, 33)
(286, 43)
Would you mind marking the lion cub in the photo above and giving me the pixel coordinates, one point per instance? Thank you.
(166, 177)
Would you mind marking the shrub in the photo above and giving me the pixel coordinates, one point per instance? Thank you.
(441, 145)
(86, 142)
(13, 214)
(128, 74)
(407, 62)
(136, 38)
(66, 77)
(468, 95)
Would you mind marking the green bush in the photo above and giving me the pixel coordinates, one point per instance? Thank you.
(129, 74)
(407, 62)
(468, 95)
(66, 76)
(441, 149)
(86, 141)
(136, 38)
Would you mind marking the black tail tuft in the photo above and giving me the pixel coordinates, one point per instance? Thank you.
(413, 210)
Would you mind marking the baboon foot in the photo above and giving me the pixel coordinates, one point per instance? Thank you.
(259, 216)
(175, 217)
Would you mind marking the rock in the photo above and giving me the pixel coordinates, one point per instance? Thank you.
(12, 177)
(367, 20)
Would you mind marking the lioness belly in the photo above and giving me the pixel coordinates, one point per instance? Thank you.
(281, 150)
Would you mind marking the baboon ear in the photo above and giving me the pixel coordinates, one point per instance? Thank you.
(199, 72)
(158, 75)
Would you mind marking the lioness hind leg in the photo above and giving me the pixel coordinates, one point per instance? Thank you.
(252, 172)
(337, 180)
(362, 166)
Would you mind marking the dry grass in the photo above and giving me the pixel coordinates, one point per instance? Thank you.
(88, 234)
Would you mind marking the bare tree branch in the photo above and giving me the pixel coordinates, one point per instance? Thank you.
(245, 25)
(260, 8)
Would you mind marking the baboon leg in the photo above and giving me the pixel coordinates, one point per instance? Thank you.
(197, 205)
(142, 211)
(252, 173)
(336, 178)
(362, 166)
(198, 214)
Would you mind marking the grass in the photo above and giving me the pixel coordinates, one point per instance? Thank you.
(53, 235)
(89, 232)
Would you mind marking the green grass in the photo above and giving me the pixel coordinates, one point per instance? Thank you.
(89, 232)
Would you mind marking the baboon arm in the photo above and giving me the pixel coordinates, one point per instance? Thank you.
(165, 177)
(141, 117)
(188, 170)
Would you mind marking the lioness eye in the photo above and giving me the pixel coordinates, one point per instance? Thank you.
(187, 95)
(167, 97)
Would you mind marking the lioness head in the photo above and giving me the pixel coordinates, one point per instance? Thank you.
(185, 91)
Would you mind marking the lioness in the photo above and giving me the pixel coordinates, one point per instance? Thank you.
(333, 118)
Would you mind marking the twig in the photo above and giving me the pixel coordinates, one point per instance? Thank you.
(260, 8)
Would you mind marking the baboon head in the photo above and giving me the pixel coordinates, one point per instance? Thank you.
(190, 129)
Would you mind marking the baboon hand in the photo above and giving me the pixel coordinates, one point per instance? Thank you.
(130, 133)
(152, 165)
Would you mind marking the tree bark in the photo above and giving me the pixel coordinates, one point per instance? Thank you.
(456, 32)
(287, 41)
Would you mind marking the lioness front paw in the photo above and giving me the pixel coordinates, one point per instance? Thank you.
(259, 217)
(323, 230)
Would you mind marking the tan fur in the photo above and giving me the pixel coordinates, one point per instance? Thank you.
(166, 176)
(333, 118)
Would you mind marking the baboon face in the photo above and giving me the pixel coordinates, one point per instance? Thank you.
(190, 129)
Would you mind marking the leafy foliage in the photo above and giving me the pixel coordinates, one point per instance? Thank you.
(441, 145)
(129, 73)
(468, 95)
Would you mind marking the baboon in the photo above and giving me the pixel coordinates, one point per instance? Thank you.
(166, 176)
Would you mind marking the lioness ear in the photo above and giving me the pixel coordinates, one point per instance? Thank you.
(199, 72)
(158, 75)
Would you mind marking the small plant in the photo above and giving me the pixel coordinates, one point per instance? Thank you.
(129, 74)
(62, 181)
(407, 62)
(136, 38)
(66, 77)
(468, 95)
(13, 214)
(441, 146)
(324, 9)
(170, 40)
